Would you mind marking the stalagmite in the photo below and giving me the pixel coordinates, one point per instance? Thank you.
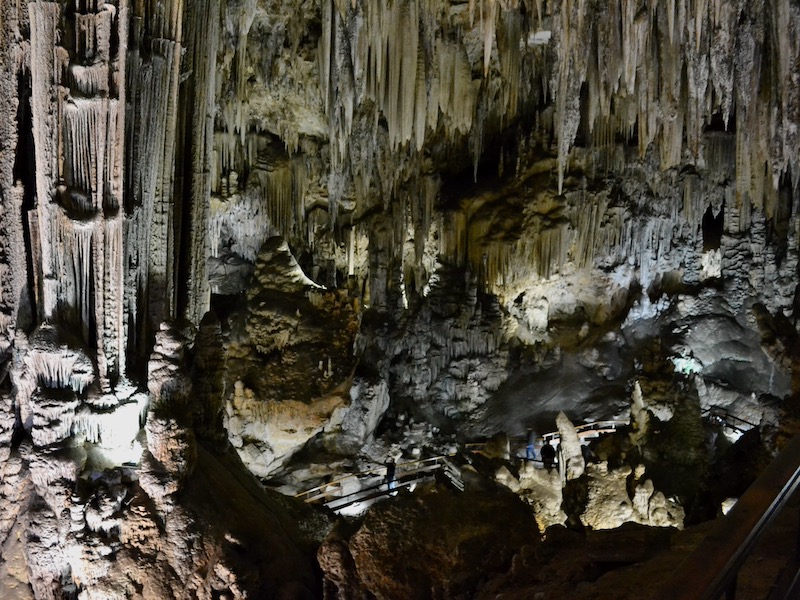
(571, 456)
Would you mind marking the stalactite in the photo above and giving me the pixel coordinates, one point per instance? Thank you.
(54, 364)
(278, 191)
(13, 268)
(52, 419)
(151, 131)
(50, 466)
(203, 40)
(510, 54)
(657, 71)
(706, 63)
(44, 17)
(78, 144)
(242, 219)
(426, 87)
(85, 152)
(407, 86)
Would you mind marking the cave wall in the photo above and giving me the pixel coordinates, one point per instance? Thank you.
(496, 196)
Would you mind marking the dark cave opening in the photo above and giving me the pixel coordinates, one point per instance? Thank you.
(778, 224)
(25, 173)
(713, 227)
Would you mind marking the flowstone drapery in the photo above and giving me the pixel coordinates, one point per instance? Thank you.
(304, 220)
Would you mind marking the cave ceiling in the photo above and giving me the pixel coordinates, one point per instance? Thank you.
(235, 233)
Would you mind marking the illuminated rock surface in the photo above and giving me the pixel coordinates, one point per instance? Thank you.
(293, 239)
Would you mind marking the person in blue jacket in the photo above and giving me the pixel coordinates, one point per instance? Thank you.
(530, 451)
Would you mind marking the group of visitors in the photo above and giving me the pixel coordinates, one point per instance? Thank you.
(547, 453)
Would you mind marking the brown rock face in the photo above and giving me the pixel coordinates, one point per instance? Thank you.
(303, 333)
(507, 201)
(435, 543)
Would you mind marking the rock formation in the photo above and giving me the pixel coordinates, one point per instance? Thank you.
(295, 238)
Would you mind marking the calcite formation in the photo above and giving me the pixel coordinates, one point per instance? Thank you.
(232, 231)
(441, 534)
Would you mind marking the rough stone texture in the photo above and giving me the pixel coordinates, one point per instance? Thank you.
(566, 565)
(572, 463)
(267, 433)
(295, 350)
(304, 332)
(449, 543)
(348, 433)
(531, 208)
(610, 504)
(542, 488)
(118, 532)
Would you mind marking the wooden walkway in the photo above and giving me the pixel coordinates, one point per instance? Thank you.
(367, 486)
(706, 574)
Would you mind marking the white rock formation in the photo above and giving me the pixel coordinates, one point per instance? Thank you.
(541, 488)
(570, 458)
(609, 504)
(352, 426)
(640, 417)
(485, 189)
(267, 433)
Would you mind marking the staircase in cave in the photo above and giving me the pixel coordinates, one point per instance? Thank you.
(355, 492)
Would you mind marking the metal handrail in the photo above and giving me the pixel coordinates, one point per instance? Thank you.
(400, 467)
(711, 570)
(322, 491)
(597, 426)
(380, 489)
(727, 417)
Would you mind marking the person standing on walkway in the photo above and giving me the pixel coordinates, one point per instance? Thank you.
(548, 456)
(530, 451)
(391, 467)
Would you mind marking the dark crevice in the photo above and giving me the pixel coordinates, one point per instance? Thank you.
(25, 173)
(713, 227)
